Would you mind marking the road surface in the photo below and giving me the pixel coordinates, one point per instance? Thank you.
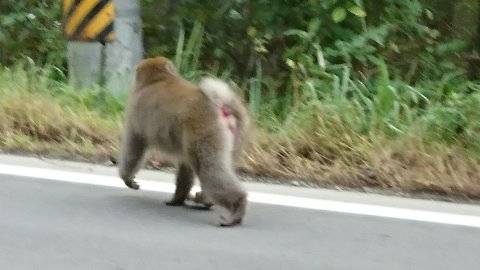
(50, 223)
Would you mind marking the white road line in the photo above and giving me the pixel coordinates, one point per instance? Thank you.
(257, 197)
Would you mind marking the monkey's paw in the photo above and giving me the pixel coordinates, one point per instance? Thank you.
(225, 223)
(132, 184)
(174, 202)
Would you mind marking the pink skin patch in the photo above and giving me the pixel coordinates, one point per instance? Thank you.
(229, 118)
(225, 111)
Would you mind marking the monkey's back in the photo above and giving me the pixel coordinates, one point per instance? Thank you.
(185, 112)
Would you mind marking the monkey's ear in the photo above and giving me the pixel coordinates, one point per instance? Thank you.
(170, 68)
(135, 68)
(143, 74)
(138, 72)
(138, 69)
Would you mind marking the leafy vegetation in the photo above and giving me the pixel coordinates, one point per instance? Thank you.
(346, 93)
(30, 28)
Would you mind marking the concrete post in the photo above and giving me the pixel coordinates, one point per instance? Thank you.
(84, 62)
(127, 50)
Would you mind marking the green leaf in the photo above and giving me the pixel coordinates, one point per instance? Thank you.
(313, 26)
(429, 14)
(296, 32)
(357, 11)
(339, 14)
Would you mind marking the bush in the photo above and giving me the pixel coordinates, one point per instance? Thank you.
(30, 28)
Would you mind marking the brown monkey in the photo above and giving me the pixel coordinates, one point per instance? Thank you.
(203, 127)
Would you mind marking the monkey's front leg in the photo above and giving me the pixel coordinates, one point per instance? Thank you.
(184, 181)
(133, 149)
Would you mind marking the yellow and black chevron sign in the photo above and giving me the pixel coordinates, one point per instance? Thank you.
(89, 20)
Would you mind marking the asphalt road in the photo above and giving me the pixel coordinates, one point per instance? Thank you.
(58, 225)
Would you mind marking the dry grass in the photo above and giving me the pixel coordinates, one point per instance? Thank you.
(328, 153)
(404, 166)
(37, 124)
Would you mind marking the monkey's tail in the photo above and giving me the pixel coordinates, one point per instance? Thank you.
(217, 90)
(222, 95)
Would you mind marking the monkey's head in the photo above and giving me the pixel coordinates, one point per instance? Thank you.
(151, 70)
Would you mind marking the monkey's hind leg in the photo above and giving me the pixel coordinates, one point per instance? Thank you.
(131, 158)
(185, 177)
(220, 185)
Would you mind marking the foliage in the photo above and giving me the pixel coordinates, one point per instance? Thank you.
(30, 28)
(291, 51)
(242, 33)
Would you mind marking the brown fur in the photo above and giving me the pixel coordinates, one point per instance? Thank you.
(174, 115)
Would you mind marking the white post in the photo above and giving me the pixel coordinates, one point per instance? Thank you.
(127, 50)
(84, 62)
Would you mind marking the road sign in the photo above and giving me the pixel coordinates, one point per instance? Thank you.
(89, 20)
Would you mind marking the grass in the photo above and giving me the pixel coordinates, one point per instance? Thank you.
(40, 115)
(363, 138)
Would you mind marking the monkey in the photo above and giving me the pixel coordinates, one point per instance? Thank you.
(202, 127)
